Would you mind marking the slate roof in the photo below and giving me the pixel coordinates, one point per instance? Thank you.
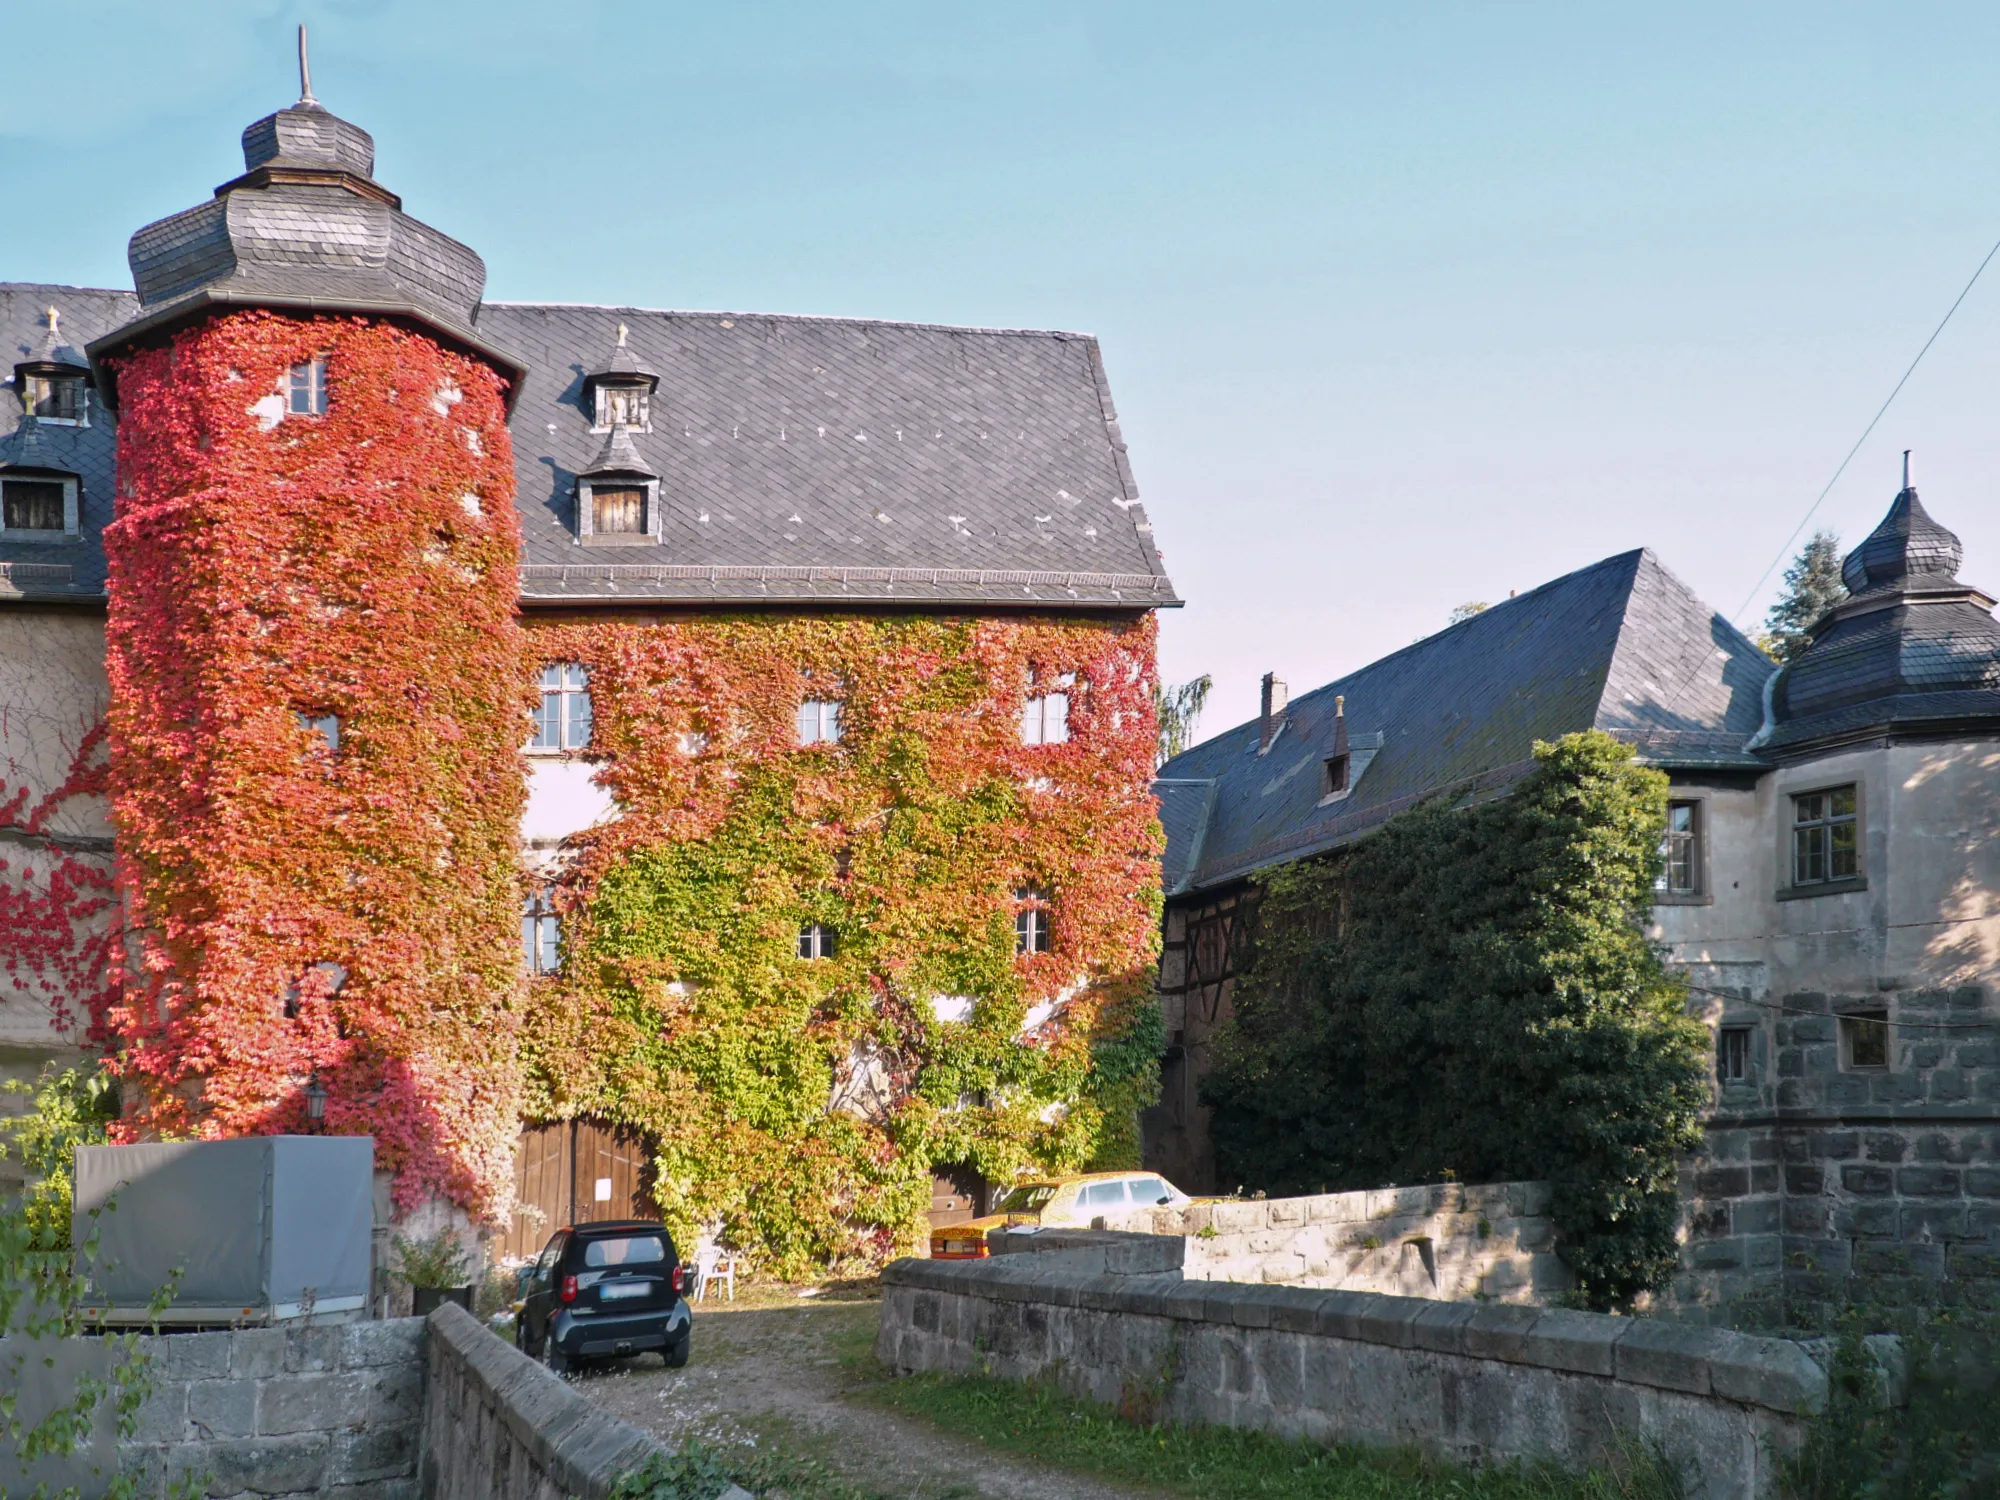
(1622, 646)
(810, 460)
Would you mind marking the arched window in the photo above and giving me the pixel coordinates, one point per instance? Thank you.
(541, 932)
(563, 720)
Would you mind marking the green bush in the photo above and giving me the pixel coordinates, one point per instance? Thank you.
(1470, 992)
(72, 1107)
(1932, 1432)
(432, 1260)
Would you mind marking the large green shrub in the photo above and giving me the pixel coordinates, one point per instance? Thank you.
(1470, 991)
(72, 1107)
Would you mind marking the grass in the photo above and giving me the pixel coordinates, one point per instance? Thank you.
(1220, 1463)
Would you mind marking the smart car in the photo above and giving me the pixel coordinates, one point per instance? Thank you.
(1060, 1202)
(602, 1291)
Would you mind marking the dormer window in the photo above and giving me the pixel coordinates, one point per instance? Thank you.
(54, 398)
(1333, 775)
(618, 510)
(624, 406)
(38, 507)
(306, 389)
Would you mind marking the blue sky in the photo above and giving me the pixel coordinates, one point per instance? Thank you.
(1402, 305)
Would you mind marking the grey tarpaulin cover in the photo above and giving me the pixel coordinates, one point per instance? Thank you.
(256, 1227)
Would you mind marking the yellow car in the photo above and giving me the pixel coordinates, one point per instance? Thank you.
(1059, 1203)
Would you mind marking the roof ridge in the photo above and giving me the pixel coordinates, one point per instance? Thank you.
(723, 312)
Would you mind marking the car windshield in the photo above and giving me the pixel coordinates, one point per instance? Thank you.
(1026, 1199)
(639, 1250)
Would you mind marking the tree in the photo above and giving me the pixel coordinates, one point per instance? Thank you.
(1176, 710)
(1812, 587)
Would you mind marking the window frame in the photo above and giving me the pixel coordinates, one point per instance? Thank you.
(72, 506)
(1033, 917)
(1851, 1024)
(817, 942)
(1789, 827)
(647, 535)
(326, 725)
(564, 692)
(1734, 1042)
(821, 718)
(541, 933)
(315, 387)
(39, 386)
(1699, 892)
(604, 397)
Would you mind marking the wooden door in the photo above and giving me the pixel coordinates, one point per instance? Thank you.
(560, 1171)
(958, 1195)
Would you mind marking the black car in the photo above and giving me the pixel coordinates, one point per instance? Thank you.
(600, 1291)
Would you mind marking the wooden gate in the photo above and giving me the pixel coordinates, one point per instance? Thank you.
(574, 1172)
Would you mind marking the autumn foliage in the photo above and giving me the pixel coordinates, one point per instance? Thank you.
(798, 1106)
(301, 909)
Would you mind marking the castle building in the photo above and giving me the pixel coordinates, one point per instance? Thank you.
(1830, 888)
(608, 755)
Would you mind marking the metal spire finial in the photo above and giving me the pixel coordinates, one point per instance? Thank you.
(305, 70)
(1906, 468)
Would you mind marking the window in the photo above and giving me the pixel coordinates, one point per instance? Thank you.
(33, 504)
(53, 398)
(618, 510)
(1333, 775)
(563, 720)
(1680, 851)
(1825, 842)
(541, 932)
(1149, 1190)
(1045, 719)
(1864, 1039)
(1031, 922)
(624, 406)
(306, 390)
(637, 1250)
(815, 941)
(325, 726)
(819, 721)
(1732, 1054)
(1102, 1195)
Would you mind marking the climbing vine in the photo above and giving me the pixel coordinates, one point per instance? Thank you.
(795, 1105)
(317, 711)
(1470, 991)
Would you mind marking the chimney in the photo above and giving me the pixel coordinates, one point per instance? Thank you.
(1272, 719)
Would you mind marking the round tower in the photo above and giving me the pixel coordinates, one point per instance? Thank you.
(317, 696)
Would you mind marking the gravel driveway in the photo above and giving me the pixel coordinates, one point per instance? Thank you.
(790, 1373)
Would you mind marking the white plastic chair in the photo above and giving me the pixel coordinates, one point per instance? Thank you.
(710, 1263)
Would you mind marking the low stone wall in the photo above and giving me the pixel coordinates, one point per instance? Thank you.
(1473, 1382)
(1443, 1240)
(329, 1410)
(497, 1426)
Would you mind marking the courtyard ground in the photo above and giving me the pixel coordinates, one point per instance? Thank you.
(795, 1373)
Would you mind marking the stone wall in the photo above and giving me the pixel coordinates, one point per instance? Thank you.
(1470, 1382)
(1444, 1240)
(497, 1426)
(328, 1411)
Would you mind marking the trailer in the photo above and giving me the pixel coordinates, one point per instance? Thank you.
(237, 1233)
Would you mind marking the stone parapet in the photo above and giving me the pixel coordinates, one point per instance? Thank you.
(1474, 1382)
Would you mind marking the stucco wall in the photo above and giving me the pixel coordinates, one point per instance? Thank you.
(1819, 1179)
(1470, 1382)
(52, 693)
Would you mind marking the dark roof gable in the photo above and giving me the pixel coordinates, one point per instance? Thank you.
(1622, 646)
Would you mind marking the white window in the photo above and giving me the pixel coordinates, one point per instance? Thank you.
(816, 941)
(563, 720)
(1680, 851)
(325, 728)
(38, 509)
(541, 932)
(819, 721)
(306, 389)
(1045, 713)
(54, 398)
(1031, 922)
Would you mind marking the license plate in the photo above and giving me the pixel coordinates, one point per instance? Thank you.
(617, 1290)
